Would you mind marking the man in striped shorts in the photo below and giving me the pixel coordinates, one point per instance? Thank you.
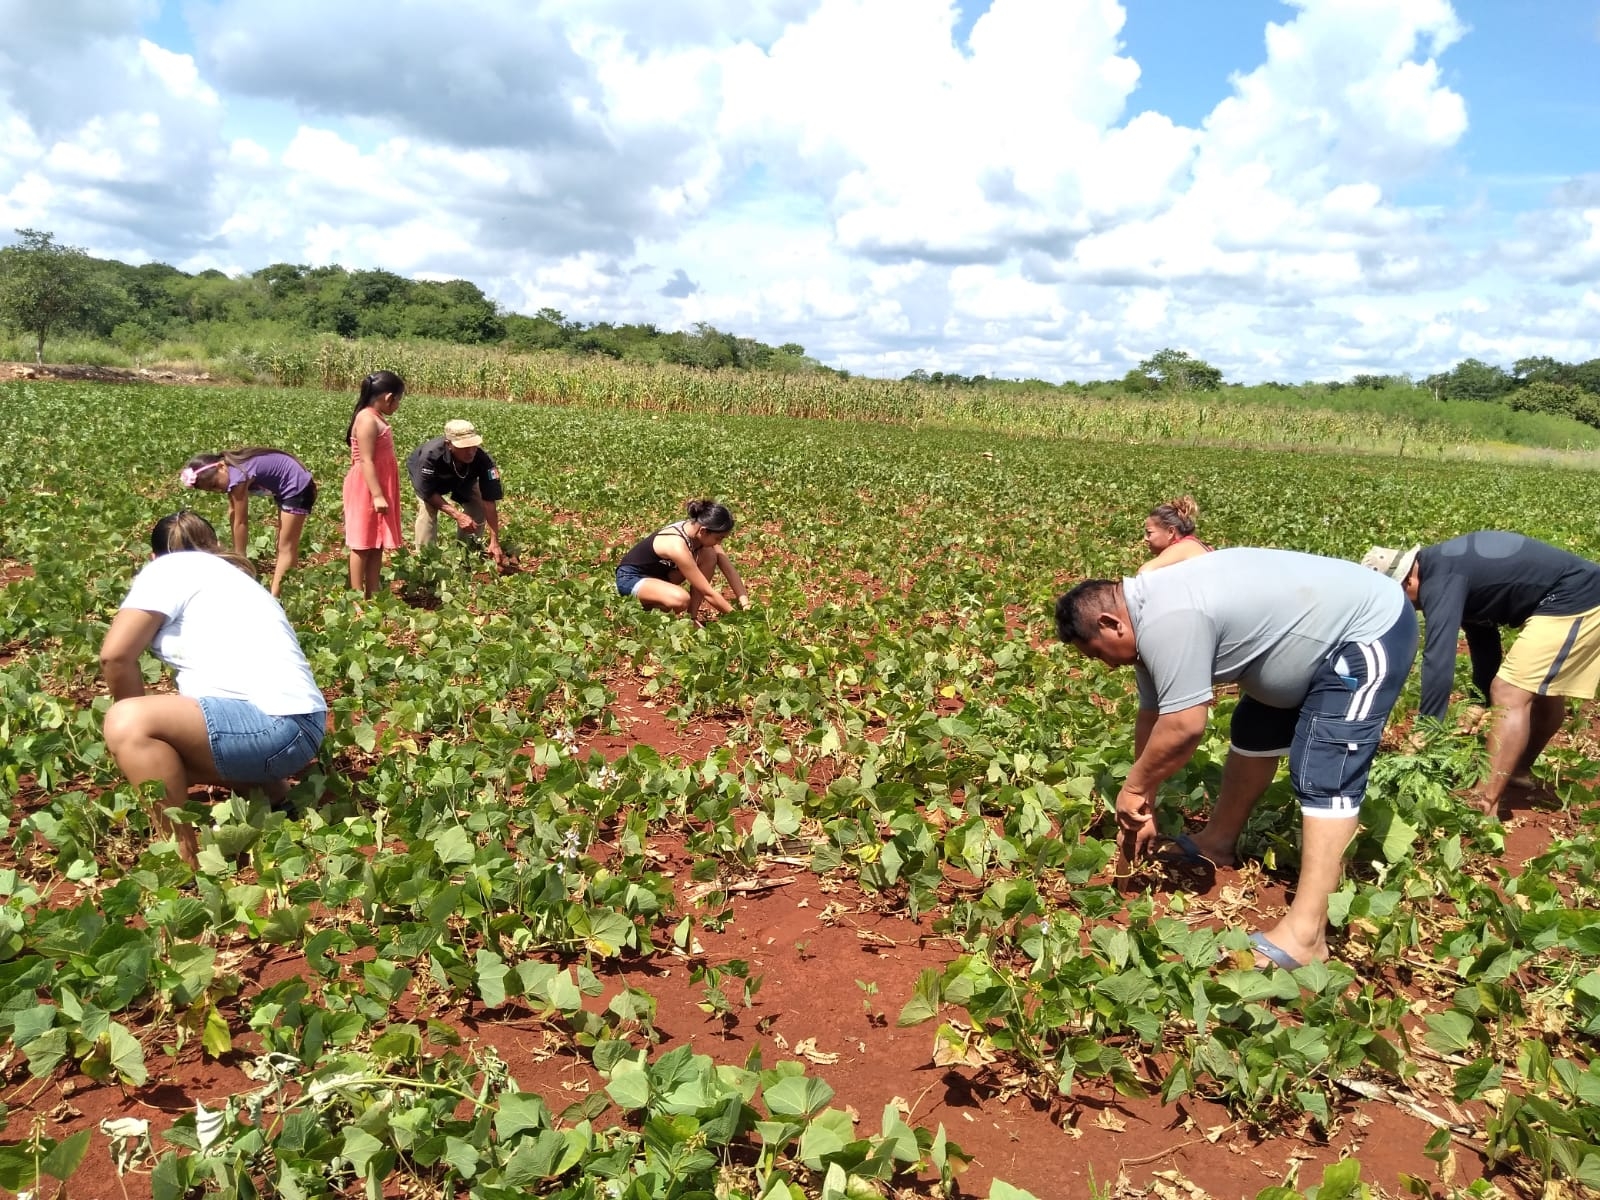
(1319, 649)
(1477, 583)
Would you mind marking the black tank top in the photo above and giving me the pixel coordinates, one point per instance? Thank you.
(642, 557)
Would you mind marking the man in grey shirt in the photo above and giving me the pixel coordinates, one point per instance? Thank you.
(1319, 648)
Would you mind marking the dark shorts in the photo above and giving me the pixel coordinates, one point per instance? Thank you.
(299, 502)
(1332, 737)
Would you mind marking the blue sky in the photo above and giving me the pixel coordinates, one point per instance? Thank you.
(861, 177)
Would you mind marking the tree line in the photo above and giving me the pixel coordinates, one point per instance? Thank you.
(48, 289)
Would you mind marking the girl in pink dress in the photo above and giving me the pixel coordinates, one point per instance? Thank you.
(372, 484)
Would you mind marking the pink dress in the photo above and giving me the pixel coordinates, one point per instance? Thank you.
(364, 527)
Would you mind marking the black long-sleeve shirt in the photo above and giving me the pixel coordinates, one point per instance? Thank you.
(1480, 581)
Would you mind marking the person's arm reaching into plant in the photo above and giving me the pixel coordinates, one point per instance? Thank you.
(1164, 742)
(1442, 602)
(491, 529)
(700, 588)
(731, 574)
(239, 515)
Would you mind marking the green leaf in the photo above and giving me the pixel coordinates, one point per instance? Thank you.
(64, 1156)
(519, 1111)
(127, 1055)
(1340, 1180)
(454, 846)
(796, 1096)
(45, 1053)
(463, 1156)
(360, 1147)
(999, 1189)
(492, 972)
(196, 968)
(924, 1002)
(1450, 1032)
(629, 1086)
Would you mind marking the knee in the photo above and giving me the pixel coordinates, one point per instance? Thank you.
(124, 727)
(1505, 695)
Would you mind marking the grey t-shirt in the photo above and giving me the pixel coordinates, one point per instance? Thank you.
(1263, 618)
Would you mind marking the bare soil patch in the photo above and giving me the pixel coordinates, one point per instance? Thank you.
(67, 372)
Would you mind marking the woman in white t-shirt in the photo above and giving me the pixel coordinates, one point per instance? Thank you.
(247, 710)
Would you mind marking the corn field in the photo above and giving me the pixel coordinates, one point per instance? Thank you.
(556, 379)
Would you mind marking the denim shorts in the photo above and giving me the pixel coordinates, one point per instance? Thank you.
(629, 578)
(299, 503)
(1332, 737)
(248, 746)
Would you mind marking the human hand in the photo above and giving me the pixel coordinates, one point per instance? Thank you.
(379, 504)
(744, 600)
(464, 521)
(1472, 720)
(1136, 822)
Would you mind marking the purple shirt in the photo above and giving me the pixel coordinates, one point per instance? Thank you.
(276, 474)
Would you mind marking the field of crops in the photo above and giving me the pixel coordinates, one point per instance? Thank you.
(816, 900)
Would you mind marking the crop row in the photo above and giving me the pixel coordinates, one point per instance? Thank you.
(470, 857)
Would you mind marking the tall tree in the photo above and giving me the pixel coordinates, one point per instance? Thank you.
(45, 286)
(1176, 371)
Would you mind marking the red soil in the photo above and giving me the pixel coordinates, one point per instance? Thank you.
(836, 967)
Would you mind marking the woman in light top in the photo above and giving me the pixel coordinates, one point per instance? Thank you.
(1169, 533)
(372, 484)
(689, 552)
(247, 711)
(265, 471)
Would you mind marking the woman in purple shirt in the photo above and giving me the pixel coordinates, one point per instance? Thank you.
(267, 471)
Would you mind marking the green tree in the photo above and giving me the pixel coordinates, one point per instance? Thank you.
(1176, 371)
(1471, 379)
(45, 286)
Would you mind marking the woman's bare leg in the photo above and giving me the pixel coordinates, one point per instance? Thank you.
(163, 738)
(658, 593)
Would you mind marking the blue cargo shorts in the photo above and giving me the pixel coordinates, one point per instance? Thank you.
(1332, 737)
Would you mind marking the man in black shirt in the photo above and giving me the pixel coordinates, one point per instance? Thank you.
(1478, 582)
(454, 475)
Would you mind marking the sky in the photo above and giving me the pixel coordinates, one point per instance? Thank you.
(1288, 189)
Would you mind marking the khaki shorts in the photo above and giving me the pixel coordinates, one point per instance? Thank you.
(1556, 656)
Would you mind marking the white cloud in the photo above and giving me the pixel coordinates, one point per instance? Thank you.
(840, 173)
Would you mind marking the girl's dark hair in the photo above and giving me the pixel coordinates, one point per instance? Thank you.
(710, 516)
(379, 383)
(185, 530)
(1177, 515)
(204, 462)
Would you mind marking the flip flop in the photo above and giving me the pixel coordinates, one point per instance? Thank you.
(1274, 952)
(1182, 852)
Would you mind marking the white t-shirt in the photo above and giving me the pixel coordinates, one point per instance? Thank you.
(224, 634)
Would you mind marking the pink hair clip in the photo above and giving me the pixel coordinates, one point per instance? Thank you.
(187, 476)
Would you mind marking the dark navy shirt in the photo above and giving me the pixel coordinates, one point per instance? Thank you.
(1481, 581)
(435, 472)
